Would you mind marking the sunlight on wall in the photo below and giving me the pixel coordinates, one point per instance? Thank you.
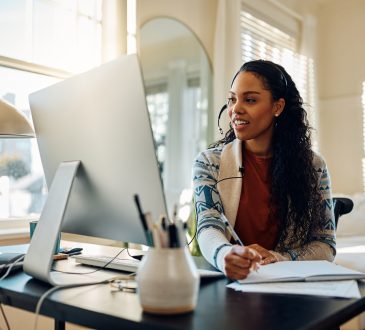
(131, 26)
(363, 133)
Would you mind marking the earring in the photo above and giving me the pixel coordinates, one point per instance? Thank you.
(276, 120)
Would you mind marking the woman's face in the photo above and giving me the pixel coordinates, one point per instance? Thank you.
(252, 109)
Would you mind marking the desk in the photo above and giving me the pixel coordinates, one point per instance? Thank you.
(218, 307)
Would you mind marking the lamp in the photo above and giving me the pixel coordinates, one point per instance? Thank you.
(13, 124)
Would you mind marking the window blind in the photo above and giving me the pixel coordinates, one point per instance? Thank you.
(261, 39)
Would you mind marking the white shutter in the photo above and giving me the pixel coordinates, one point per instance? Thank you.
(270, 40)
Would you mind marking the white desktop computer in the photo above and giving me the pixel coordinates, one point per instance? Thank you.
(97, 149)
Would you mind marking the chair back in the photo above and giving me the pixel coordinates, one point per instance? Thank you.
(342, 206)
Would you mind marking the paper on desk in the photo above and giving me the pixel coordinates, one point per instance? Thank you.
(343, 289)
(295, 271)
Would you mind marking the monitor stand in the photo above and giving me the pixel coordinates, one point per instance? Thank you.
(39, 258)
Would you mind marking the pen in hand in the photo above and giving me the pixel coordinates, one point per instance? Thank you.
(231, 231)
(254, 265)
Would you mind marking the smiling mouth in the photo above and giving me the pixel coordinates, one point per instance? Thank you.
(238, 122)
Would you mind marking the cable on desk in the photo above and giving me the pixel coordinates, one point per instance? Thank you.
(133, 257)
(11, 265)
(69, 286)
(4, 316)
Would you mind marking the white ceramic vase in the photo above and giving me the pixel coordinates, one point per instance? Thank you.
(168, 281)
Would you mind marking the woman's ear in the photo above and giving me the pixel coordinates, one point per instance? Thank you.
(278, 107)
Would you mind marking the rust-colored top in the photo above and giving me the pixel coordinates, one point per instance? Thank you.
(254, 223)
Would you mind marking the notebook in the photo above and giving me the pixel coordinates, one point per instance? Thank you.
(299, 271)
(343, 289)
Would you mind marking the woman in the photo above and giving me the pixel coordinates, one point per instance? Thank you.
(264, 178)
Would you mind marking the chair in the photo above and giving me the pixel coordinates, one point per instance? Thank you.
(342, 206)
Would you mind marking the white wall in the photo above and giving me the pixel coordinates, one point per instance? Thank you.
(341, 71)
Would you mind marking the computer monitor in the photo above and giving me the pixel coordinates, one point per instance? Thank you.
(100, 119)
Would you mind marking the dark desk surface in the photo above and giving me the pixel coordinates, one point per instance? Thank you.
(218, 307)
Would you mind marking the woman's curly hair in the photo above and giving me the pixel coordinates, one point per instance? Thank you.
(294, 181)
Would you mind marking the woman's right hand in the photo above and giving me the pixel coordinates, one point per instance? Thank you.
(239, 261)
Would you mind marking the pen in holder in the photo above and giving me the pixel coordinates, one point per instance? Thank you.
(168, 281)
(167, 278)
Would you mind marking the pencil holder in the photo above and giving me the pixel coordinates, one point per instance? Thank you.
(168, 281)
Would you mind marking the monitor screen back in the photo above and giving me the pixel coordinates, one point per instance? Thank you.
(100, 118)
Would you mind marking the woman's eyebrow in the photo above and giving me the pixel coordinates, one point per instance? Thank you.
(245, 93)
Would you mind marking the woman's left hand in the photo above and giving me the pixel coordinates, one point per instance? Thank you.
(266, 255)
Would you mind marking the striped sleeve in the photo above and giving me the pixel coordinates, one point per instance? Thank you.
(210, 227)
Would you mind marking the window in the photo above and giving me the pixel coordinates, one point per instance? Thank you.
(262, 38)
(41, 42)
(158, 104)
(158, 107)
(195, 100)
(177, 76)
(63, 34)
(21, 176)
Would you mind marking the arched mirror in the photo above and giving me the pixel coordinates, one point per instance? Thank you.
(178, 80)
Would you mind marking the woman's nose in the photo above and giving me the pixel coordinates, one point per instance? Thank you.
(238, 108)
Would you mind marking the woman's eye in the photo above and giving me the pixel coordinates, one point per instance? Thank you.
(231, 100)
(250, 100)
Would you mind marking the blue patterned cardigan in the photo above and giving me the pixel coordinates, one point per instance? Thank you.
(212, 199)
